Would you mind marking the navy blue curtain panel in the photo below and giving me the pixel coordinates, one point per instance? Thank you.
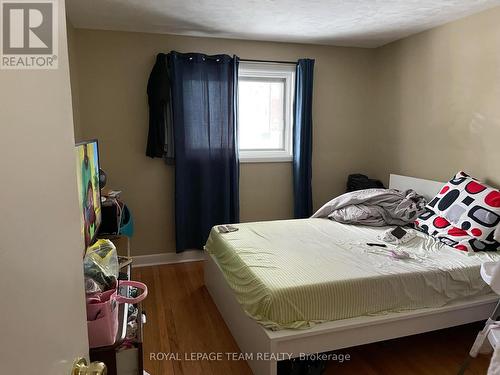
(206, 163)
(302, 139)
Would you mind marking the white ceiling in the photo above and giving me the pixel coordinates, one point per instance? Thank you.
(359, 23)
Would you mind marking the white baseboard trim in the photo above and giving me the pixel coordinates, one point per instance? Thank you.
(168, 258)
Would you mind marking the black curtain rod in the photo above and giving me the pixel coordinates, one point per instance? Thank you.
(271, 61)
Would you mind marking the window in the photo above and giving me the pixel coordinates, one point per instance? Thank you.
(265, 111)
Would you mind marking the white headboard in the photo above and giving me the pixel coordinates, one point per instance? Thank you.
(427, 188)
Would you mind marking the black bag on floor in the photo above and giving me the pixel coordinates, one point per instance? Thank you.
(361, 182)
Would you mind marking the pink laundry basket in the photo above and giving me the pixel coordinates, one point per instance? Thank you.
(102, 313)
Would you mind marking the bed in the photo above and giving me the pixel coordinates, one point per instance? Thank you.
(305, 286)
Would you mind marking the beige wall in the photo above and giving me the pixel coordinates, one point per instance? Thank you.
(438, 101)
(112, 69)
(41, 245)
(75, 92)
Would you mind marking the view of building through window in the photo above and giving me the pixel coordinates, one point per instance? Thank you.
(261, 111)
(265, 104)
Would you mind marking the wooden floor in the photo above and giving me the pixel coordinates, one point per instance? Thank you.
(182, 319)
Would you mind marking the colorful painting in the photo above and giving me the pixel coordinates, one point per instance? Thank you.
(87, 170)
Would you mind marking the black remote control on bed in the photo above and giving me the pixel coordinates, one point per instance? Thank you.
(376, 244)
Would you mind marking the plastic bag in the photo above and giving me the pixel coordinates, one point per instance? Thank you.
(100, 267)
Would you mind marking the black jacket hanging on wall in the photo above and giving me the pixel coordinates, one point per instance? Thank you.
(161, 134)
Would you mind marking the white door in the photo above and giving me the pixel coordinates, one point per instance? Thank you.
(42, 310)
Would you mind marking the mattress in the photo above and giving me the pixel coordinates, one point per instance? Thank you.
(296, 273)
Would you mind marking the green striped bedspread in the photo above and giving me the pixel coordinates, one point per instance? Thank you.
(296, 273)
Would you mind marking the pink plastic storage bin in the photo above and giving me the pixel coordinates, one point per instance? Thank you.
(102, 313)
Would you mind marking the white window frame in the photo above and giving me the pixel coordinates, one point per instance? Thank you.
(286, 72)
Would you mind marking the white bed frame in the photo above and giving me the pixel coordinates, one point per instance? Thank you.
(258, 342)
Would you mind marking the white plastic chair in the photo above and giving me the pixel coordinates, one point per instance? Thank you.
(490, 273)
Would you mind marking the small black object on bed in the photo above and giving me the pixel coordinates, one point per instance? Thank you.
(376, 244)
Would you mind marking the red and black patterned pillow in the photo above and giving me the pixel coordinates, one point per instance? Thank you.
(464, 214)
(431, 223)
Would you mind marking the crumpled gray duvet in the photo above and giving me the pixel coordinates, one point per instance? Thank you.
(374, 207)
